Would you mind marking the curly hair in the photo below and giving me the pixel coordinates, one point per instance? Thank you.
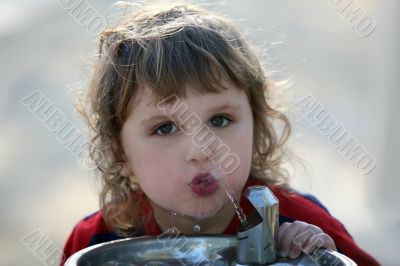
(164, 48)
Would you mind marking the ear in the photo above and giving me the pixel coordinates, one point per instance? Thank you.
(126, 170)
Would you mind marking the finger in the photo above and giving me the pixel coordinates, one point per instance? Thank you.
(321, 240)
(289, 231)
(298, 242)
(301, 238)
(294, 251)
(283, 228)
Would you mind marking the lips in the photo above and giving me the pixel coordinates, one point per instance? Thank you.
(204, 184)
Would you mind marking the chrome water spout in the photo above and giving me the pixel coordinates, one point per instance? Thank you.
(257, 240)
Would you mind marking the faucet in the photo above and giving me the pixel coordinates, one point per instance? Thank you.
(257, 238)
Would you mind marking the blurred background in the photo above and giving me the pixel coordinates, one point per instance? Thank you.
(351, 68)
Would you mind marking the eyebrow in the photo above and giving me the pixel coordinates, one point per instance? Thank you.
(224, 107)
(211, 110)
(153, 118)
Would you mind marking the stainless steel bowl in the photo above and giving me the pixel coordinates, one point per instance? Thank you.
(184, 250)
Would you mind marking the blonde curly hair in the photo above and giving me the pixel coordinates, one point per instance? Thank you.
(163, 48)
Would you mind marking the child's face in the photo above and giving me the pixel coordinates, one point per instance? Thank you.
(165, 159)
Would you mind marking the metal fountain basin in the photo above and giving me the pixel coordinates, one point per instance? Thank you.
(199, 250)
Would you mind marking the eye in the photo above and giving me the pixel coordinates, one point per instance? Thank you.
(219, 121)
(166, 129)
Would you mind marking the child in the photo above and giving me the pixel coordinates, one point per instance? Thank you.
(180, 115)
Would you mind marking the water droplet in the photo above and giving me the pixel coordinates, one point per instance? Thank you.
(172, 230)
(196, 228)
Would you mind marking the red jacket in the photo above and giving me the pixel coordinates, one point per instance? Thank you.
(292, 206)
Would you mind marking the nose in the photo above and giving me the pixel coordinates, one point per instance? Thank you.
(197, 149)
(194, 152)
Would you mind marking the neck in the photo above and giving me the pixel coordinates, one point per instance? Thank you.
(185, 224)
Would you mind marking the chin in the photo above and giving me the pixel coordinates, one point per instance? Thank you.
(204, 209)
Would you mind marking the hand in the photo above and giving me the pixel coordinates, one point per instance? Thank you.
(300, 236)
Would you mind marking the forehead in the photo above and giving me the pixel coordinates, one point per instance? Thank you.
(146, 102)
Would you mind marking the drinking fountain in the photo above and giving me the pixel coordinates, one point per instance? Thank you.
(256, 243)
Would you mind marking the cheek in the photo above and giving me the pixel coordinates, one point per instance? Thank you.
(241, 174)
(151, 165)
(241, 143)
